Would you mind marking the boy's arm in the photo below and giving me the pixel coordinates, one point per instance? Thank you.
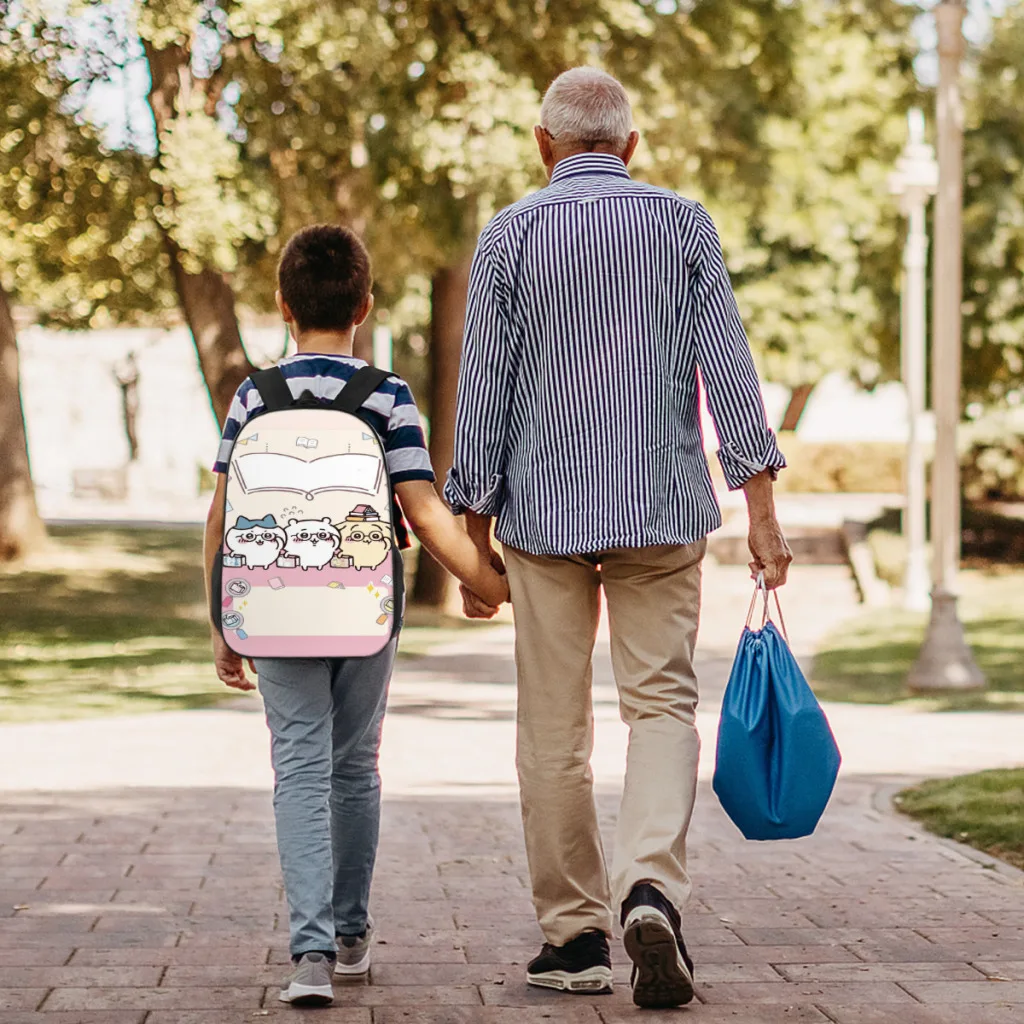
(442, 535)
(227, 662)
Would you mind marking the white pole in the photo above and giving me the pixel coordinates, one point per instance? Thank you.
(945, 661)
(382, 348)
(915, 260)
(948, 287)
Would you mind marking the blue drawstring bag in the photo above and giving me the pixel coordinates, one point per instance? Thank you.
(777, 760)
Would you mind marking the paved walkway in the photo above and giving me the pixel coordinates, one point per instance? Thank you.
(138, 875)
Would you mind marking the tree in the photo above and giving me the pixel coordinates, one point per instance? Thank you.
(210, 207)
(994, 212)
(72, 245)
(21, 529)
(77, 240)
(817, 266)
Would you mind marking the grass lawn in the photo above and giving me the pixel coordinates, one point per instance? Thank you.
(867, 658)
(112, 621)
(982, 810)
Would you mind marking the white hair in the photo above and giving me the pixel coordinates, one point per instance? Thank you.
(587, 106)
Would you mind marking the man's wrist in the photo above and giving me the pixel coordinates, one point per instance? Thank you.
(759, 493)
(479, 529)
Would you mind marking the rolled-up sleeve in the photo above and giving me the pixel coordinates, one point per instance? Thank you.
(747, 445)
(476, 479)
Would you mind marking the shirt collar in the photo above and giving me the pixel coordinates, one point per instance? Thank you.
(586, 164)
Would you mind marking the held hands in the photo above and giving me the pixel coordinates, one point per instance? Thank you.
(229, 666)
(492, 592)
(772, 555)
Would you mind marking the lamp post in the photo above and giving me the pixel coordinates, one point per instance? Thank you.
(915, 179)
(945, 661)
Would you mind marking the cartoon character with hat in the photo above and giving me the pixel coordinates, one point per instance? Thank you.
(365, 537)
(257, 541)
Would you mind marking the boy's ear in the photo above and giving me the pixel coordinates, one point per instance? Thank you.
(283, 308)
(364, 310)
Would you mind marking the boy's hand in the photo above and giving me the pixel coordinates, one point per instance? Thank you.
(474, 607)
(229, 666)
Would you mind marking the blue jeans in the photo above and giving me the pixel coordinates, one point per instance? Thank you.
(325, 717)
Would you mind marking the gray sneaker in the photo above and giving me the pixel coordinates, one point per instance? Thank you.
(354, 952)
(310, 983)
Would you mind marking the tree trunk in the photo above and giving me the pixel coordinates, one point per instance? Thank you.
(208, 305)
(795, 409)
(21, 529)
(449, 289)
(206, 299)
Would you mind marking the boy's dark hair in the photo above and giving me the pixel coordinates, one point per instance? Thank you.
(324, 276)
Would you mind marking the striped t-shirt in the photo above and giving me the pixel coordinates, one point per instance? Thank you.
(390, 410)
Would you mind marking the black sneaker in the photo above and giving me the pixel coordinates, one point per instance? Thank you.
(582, 965)
(662, 969)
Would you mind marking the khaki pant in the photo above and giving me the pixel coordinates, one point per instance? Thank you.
(653, 600)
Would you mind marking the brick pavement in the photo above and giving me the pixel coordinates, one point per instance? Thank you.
(122, 902)
(165, 907)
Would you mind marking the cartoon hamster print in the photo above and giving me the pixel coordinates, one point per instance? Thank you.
(364, 537)
(258, 541)
(312, 541)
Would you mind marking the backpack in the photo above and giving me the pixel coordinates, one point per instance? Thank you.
(309, 566)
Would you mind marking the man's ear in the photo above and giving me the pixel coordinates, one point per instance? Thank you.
(364, 310)
(547, 156)
(627, 153)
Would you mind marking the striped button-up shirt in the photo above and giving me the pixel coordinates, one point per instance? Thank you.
(593, 306)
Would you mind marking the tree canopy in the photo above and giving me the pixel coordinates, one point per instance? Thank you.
(411, 120)
(994, 213)
(77, 236)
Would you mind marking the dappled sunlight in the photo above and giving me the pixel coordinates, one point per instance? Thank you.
(867, 658)
(118, 626)
(100, 553)
(90, 652)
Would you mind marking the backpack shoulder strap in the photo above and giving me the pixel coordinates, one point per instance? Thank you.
(273, 389)
(363, 383)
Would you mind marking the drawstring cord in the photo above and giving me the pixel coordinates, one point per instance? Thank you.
(766, 616)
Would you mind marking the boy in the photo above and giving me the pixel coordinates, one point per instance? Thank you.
(325, 715)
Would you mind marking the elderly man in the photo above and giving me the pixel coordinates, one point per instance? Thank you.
(593, 305)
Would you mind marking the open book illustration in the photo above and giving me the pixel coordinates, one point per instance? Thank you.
(270, 471)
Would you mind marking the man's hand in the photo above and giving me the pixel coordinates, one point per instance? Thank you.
(770, 550)
(229, 666)
(767, 544)
(479, 529)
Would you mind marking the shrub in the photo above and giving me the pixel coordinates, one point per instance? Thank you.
(992, 456)
(816, 467)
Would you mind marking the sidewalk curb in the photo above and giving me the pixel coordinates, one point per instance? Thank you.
(883, 801)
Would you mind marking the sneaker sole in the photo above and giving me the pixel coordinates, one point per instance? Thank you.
(353, 970)
(307, 995)
(593, 980)
(662, 979)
